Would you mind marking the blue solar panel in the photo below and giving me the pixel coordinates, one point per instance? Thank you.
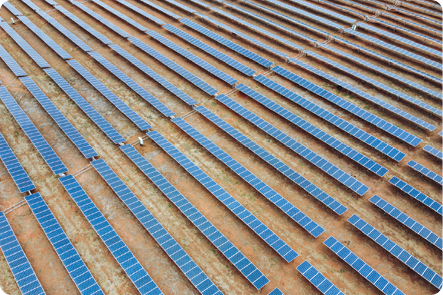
(440, 133)
(133, 269)
(25, 46)
(361, 267)
(23, 273)
(232, 204)
(175, 67)
(210, 50)
(316, 132)
(161, 9)
(15, 169)
(70, 131)
(318, 279)
(433, 151)
(425, 171)
(424, 10)
(31, 5)
(407, 221)
(142, 13)
(343, 9)
(406, 22)
(231, 252)
(70, 258)
(200, 3)
(181, 6)
(159, 79)
(356, 132)
(416, 15)
(191, 270)
(227, 43)
(114, 99)
(401, 254)
(305, 184)
(11, 63)
(12, 9)
(295, 214)
(325, 11)
(34, 135)
(276, 291)
(86, 107)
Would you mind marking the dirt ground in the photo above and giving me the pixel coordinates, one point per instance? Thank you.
(110, 277)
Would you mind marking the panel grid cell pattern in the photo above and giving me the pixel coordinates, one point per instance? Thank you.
(361, 267)
(11, 63)
(31, 131)
(298, 179)
(161, 9)
(294, 213)
(86, 107)
(190, 269)
(433, 151)
(314, 131)
(347, 127)
(15, 169)
(249, 270)
(425, 172)
(142, 13)
(397, 251)
(276, 243)
(407, 221)
(75, 266)
(318, 279)
(21, 269)
(135, 272)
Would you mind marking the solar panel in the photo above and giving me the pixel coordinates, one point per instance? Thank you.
(227, 43)
(440, 133)
(302, 182)
(419, 196)
(190, 269)
(199, 3)
(101, 19)
(75, 266)
(295, 214)
(363, 94)
(433, 151)
(181, 6)
(407, 22)
(31, 5)
(175, 67)
(354, 131)
(114, 99)
(86, 107)
(77, 139)
(318, 279)
(15, 169)
(425, 171)
(397, 251)
(276, 243)
(22, 271)
(131, 84)
(51, 2)
(31, 131)
(142, 13)
(161, 9)
(231, 252)
(12, 9)
(352, 108)
(316, 132)
(133, 269)
(25, 46)
(407, 221)
(416, 15)
(343, 9)
(361, 267)
(210, 50)
(11, 63)
(325, 11)
(83, 25)
(276, 291)
(424, 10)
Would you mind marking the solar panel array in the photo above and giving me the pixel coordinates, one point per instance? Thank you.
(232, 204)
(181, 6)
(325, 11)
(433, 151)
(11, 63)
(361, 267)
(425, 172)
(191, 270)
(75, 266)
(22, 271)
(133, 269)
(142, 13)
(295, 214)
(401, 254)
(31, 131)
(161, 9)
(15, 169)
(249, 270)
(318, 279)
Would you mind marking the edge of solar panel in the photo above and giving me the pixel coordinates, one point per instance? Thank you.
(425, 171)
(181, 6)
(276, 291)
(433, 151)
(12, 9)
(11, 63)
(317, 279)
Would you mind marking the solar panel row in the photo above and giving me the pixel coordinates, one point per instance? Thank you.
(191, 270)
(136, 273)
(201, 4)
(274, 162)
(325, 11)
(425, 171)
(231, 252)
(12, 9)
(232, 204)
(11, 63)
(31, 5)
(398, 252)
(343, 9)
(318, 279)
(161, 9)
(181, 6)
(356, 132)
(22, 271)
(433, 151)
(142, 13)
(407, 221)
(31, 131)
(316, 132)
(295, 214)
(362, 268)
(75, 266)
(416, 15)
(407, 22)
